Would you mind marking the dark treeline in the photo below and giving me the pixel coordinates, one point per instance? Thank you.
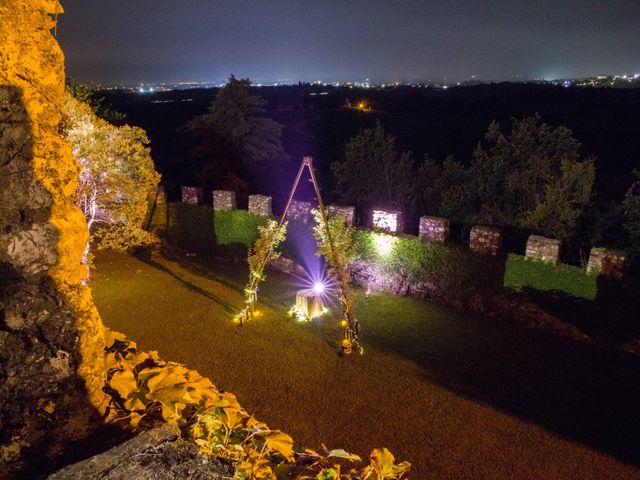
(424, 121)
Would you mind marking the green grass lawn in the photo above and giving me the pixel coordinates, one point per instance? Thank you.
(458, 396)
(521, 272)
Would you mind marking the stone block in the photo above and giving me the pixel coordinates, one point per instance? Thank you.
(300, 211)
(543, 248)
(485, 240)
(387, 220)
(192, 195)
(224, 200)
(434, 229)
(348, 212)
(610, 263)
(260, 205)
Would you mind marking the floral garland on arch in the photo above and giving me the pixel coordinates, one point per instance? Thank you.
(335, 243)
(264, 250)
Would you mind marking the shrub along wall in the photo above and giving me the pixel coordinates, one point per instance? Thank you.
(405, 265)
(198, 229)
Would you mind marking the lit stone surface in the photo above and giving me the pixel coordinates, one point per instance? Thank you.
(347, 212)
(543, 248)
(610, 263)
(300, 211)
(485, 240)
(192, 195)
(224, 200)
(434, 229)
(387, 220)
(260, 205)
(51, 338)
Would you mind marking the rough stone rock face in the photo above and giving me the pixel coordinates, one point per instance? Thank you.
(155, 455)
(51, 337)
(434, 229)
(192, 195)
(300, 211)
(610, 263)
(260, 205)
(485, 240)
(348, 212)
(543, 248)
(224, 200)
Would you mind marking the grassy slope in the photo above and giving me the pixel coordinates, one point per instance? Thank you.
(459, 397)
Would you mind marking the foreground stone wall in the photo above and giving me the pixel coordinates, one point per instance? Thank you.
(51, 337)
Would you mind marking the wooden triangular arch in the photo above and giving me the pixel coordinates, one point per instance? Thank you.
(274, 234)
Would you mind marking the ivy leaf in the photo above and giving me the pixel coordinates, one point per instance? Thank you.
(383, 465)
(123, 382)
(340, 453)
(134, 419)
(280, 442)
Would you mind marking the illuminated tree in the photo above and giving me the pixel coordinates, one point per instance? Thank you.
(117, 174)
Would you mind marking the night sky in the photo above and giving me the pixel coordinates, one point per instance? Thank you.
(132, 41)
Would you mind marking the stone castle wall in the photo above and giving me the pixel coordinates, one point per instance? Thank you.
(610, 263)
(544, 249)
(260, 205)
(434, 229)
(224, 200)
(192, 195)
(485, 240)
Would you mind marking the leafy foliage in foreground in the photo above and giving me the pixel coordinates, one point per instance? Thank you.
(146, 390)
